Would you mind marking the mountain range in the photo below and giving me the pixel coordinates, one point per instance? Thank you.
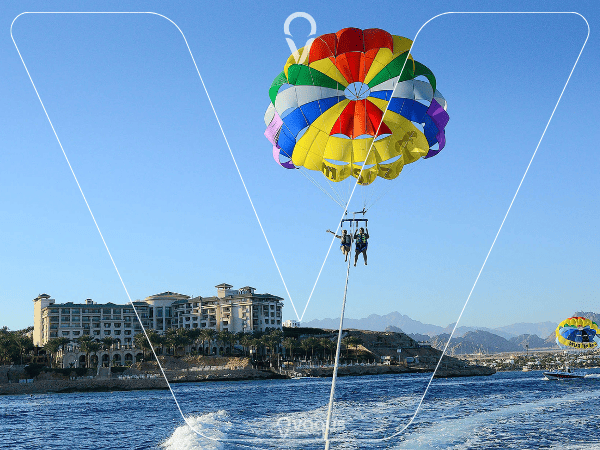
(375, 322)
(509, 338)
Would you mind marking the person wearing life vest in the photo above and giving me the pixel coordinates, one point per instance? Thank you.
(360, 238)
(346, 242)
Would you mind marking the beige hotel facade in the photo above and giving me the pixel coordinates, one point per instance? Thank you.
(234, 310)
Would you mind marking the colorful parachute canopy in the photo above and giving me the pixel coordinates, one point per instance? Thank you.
(577, 333)
(327, 112)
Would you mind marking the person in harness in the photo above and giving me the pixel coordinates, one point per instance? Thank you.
(346, 242)
(360, 237)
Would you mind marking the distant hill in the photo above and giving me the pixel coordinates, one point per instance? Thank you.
(518, 329)
(393, 329)
(461, 331)
(420, 337)
(474, 342)
(375, 322)
(533, 340)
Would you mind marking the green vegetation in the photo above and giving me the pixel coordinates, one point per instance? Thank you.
(15, 346)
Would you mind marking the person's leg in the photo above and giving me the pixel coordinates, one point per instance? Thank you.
(345, 251)
(365, 256)
(356, 253)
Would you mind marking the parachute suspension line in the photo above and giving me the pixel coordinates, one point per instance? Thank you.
(337, 355)
(337, 193)
(312, 180)
(406, 171)
(378, 198)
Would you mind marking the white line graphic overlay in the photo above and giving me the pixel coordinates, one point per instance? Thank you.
(256, 214)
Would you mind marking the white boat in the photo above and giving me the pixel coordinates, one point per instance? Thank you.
(564, 374)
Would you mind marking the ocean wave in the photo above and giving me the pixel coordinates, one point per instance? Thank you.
(205, 431)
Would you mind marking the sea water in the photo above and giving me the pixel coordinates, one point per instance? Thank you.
(510, 410)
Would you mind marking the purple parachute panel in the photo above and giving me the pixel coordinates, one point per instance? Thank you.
(271, 134)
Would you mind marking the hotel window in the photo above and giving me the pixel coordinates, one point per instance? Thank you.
(96, 332)
(117, 332)
(127, 333)
(106, 332)
(76, 333)
(65, 333)
(107, 325)
(117, 325)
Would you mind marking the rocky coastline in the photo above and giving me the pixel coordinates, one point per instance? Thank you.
(144, 380)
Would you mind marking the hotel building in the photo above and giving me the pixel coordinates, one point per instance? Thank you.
(234, 310)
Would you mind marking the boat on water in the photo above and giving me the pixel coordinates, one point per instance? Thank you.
(566, 374)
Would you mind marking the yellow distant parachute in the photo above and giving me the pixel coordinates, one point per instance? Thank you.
(577, 333)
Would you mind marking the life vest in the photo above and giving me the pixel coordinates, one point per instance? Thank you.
(361, 238)
(346, 239)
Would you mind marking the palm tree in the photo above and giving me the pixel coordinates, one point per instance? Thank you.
(311, 343)
(328, 344)
(290, 344)
(208, 335)
(141, 341)
(245, 341)
(276, 338)
(171, 340)
(54, 345)
(194, 335)
(351, 341)
(84, 345)
(24, 344)
(107, 343)
(256, 343)
(177, 338)
(230, 339)
(223, 337)
(93, 347)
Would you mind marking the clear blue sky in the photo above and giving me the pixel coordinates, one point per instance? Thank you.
(135, 122)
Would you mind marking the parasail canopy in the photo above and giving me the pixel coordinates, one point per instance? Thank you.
(577, 333)
(355, 103)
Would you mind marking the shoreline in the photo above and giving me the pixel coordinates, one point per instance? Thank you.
(96, 384)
